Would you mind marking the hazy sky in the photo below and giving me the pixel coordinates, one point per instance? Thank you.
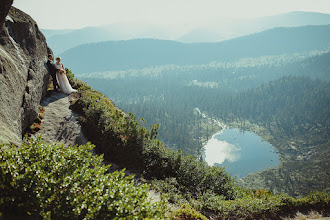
(63, 14)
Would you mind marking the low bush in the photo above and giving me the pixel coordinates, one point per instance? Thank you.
(57, 182)
(187, 212)
(262, 205)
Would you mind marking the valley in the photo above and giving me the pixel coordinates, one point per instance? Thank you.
(285, 101)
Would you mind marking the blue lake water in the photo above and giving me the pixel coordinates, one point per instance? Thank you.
(241, 152)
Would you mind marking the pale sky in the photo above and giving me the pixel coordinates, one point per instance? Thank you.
(65, 14)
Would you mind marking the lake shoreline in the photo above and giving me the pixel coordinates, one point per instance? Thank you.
(241, 152)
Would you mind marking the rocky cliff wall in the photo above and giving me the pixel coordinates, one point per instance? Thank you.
(4, 8)
(23, 73)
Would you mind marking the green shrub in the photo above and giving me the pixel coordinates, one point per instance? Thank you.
(261, 204)
(187, 212)
(57, 182)
(169, 189)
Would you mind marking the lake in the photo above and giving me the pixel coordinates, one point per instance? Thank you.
(242, 152)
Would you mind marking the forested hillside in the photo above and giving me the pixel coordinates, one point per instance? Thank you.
(81, 187)
(141, 53)
(295, 111)
(292, 109)
(291, 106)
(169, 94)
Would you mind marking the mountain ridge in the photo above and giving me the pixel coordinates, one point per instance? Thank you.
(140, 53)
(207, 31)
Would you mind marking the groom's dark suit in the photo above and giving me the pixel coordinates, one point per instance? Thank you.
(52, 72)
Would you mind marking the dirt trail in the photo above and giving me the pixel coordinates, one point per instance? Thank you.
(60, 123)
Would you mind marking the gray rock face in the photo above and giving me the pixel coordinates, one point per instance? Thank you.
(23, 74)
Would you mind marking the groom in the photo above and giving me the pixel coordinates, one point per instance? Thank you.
(52, 71)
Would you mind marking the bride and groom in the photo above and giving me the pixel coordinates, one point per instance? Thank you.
(57, 71)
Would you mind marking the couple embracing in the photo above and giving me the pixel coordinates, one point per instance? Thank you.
(57, 71)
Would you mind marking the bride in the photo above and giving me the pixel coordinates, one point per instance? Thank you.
(61, 77)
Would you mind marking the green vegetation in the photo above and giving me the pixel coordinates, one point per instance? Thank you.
(168, 95)
(61, 182)
(248, 204)
(294, 112)
(187, 212)
(181, 179)
(285, 99)
(57, 182)
(121, 138)
(260, 204)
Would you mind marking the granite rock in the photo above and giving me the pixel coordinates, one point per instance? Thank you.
(23, 74)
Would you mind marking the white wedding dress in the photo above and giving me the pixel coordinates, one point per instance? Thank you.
(63, 80)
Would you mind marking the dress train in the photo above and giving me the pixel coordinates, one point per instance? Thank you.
(64, 83)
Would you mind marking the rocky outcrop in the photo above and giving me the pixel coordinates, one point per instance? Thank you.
(23, 74)
(5, 6)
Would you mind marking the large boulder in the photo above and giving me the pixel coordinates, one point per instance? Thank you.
(23, 74)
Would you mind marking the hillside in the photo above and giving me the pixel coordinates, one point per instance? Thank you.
(141, 53)
(44, 179)
(218, 31)
(181, 178)
(120, 137)
(40, 180)
(168, 95)
(210, 31)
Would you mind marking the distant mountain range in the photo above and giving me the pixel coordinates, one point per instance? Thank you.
(209, 31)
(140, 53)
